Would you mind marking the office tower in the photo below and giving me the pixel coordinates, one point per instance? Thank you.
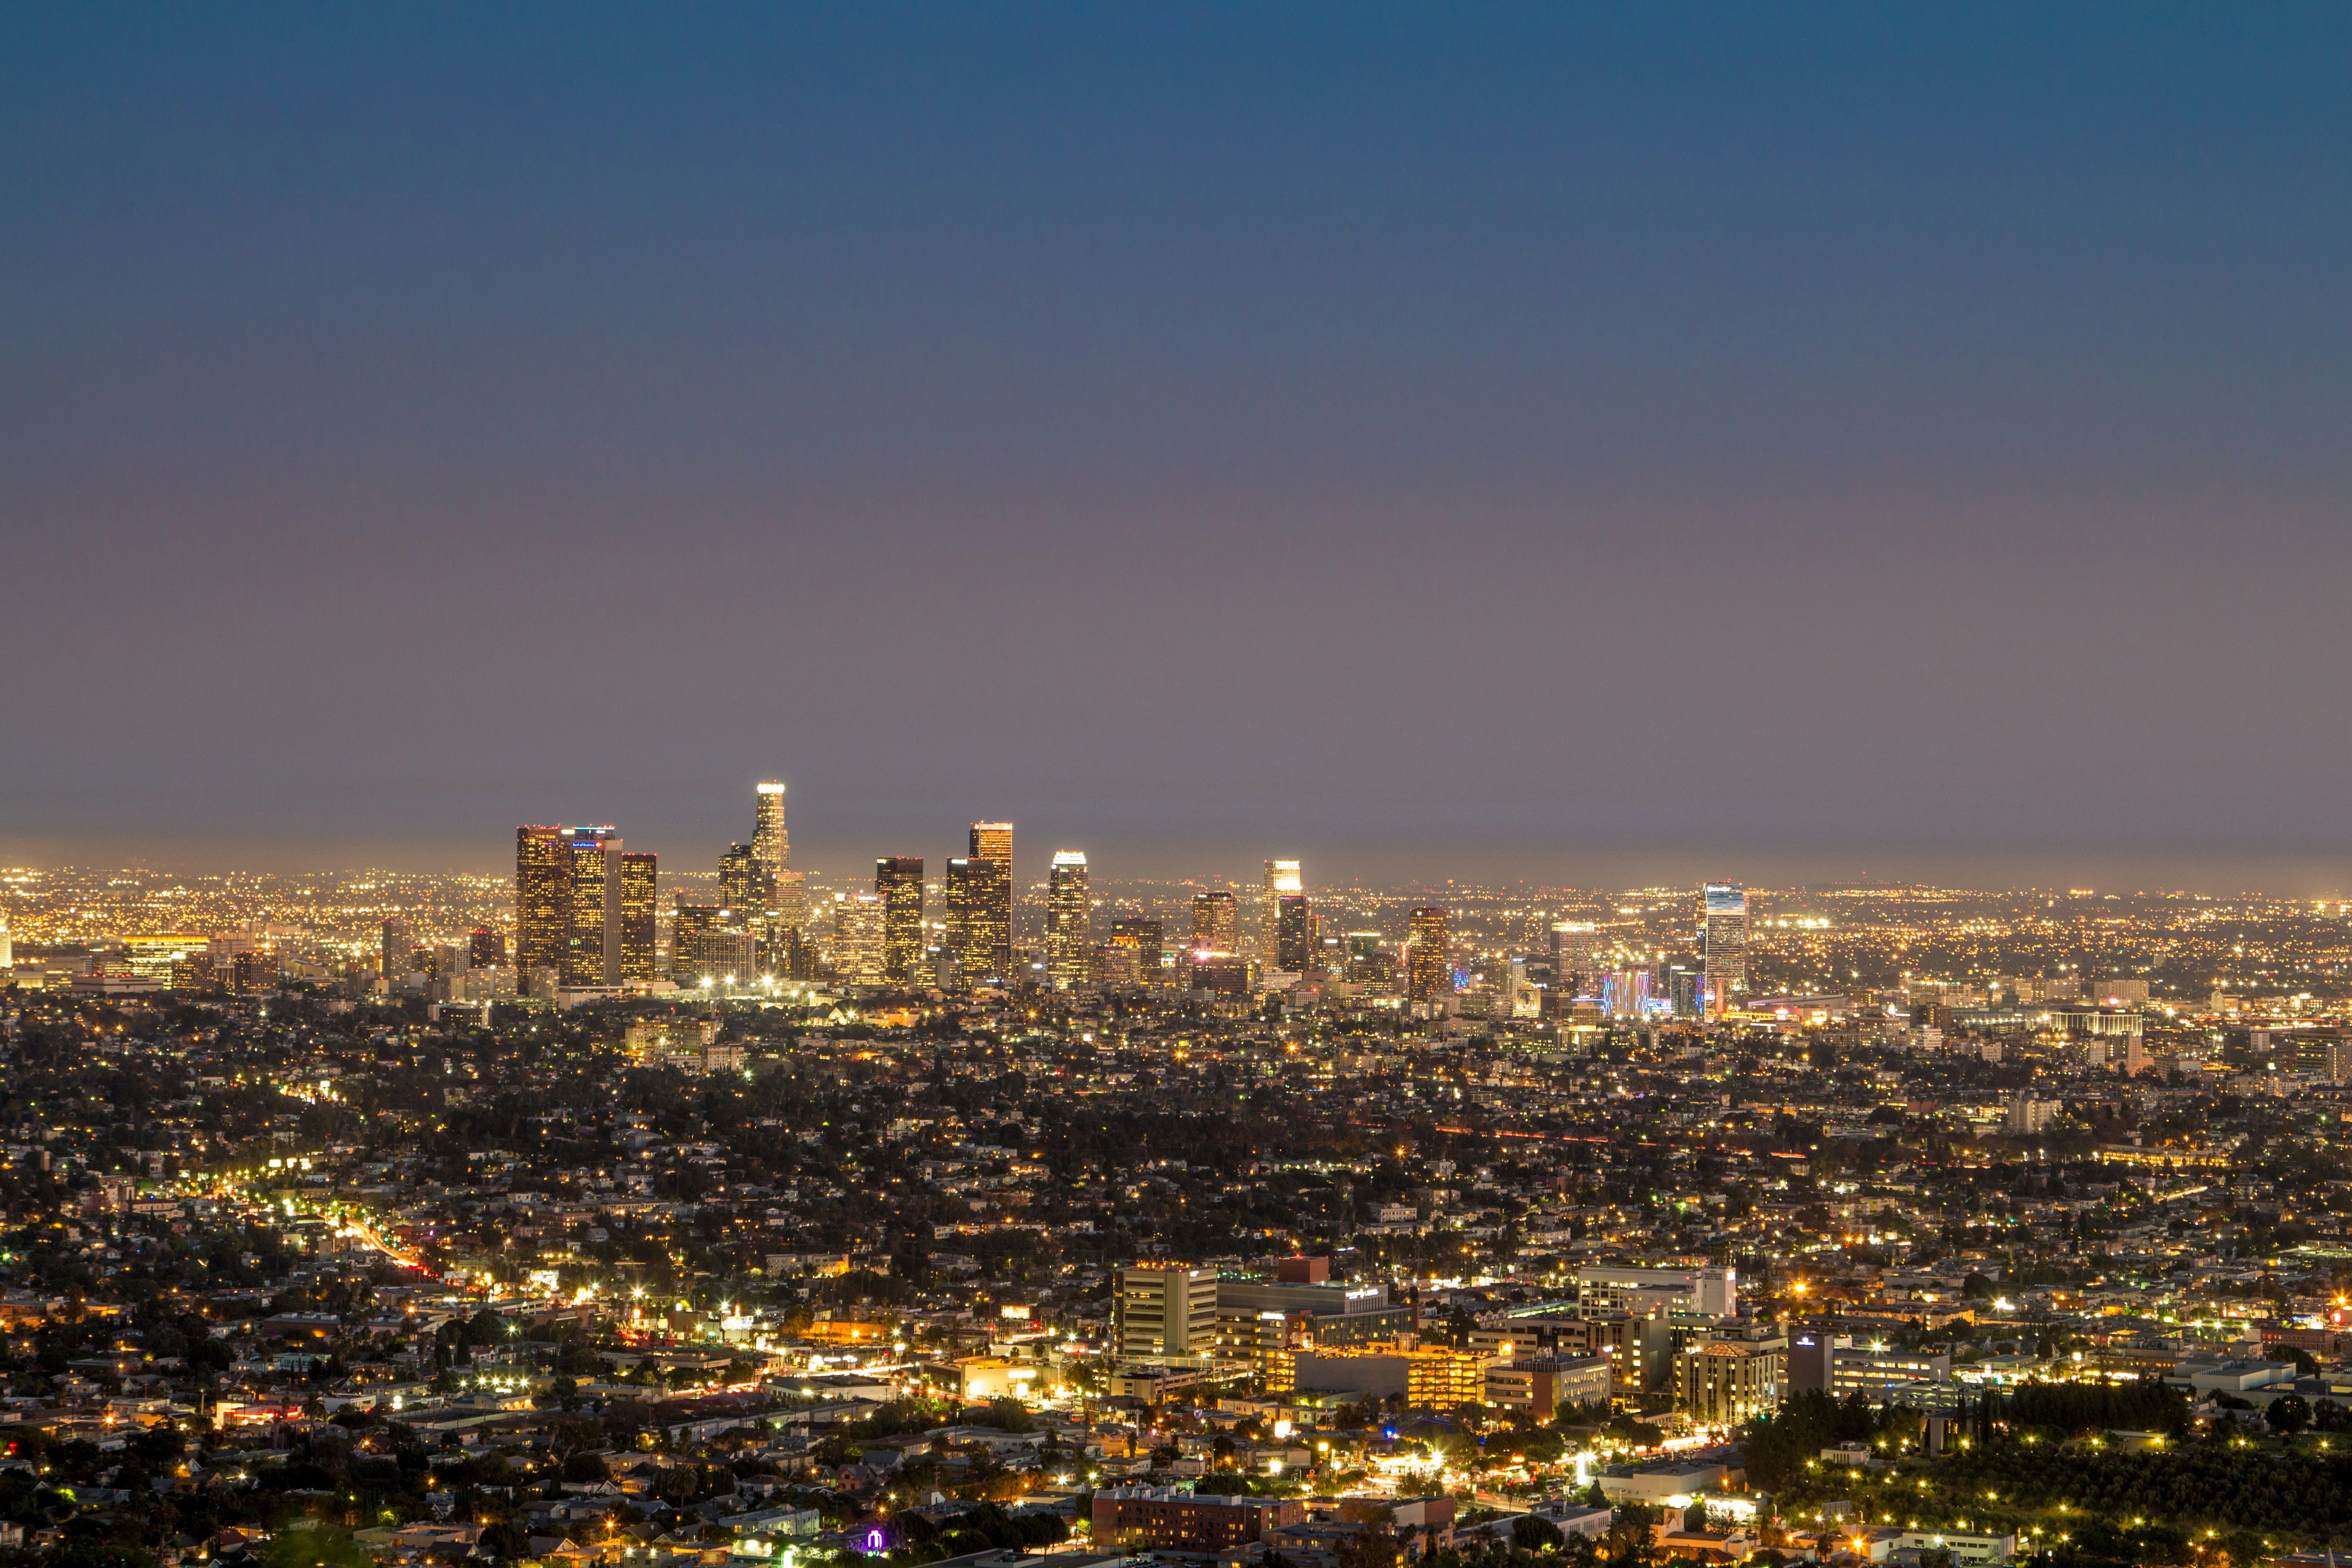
(1216, 925)
(1166, 1310)
(593, 907)
(399, 949)
(689, 922)
(542, 904)
(899, 883)
(1723, 944)
(1429, 961)
(770, 843)
(743, 882)
(1365, 960)
(980, 923)
(1147, 939)
(990, 952)
(1571, 955)
(7, 948)
(1069, 921)
(1296, 949)
(635, 958)
(859, 921)
(1283, 880)
(486, 949)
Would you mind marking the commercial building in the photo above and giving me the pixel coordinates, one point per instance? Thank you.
(581, 882)
(1166, 1310)
(637, 957)
(857, 938)
(1835, 1365)
(1069, 921)
(1710, 1291)
(1433, 1379)
(1146, 941)
(1538, 1385)
(1216, 923)
(543, 906)
(980, 904)
(1283, 880)
(1571, 957)
(1137, 1519)
(899, 883)
(1723, 939)
(1298, 948)
(1429, 958)
(743, 882)
(1724, 1382)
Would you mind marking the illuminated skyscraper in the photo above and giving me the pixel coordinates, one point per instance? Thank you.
(1146, 939)
(769, 840)
(636, 954)
(1282, 881)
(1366, 962)
(985, 948)
(685, 928)
(399, 948)
(859, 933)
(486, 949)
(1428, 959)
(979, 935)
(1723, 944)
(1069, 921)
(899, 883)
(744, 885)
(542, 904)
(1296, 949)
(593, 907)
(1216, 923)
(1571, 957)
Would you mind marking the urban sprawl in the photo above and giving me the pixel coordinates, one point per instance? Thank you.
(598, 1214)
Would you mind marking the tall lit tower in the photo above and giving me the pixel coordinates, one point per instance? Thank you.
(542, 904)
(899, 883)
(988, 949)
(1216, 925)
(1723, 943)
(1429, 961)
(1283, 880)
(1069, 921)
(769, 840)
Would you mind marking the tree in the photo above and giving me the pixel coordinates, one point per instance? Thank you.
(2288, 1414)
(1530, 1533)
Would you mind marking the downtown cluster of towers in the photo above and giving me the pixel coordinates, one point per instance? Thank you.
(586, 918)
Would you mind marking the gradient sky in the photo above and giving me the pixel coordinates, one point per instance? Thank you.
(1739, 438)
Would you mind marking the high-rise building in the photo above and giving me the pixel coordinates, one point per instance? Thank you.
(899, 883)
(636, 955)
(858, 936)
(593, 923)
(1283, 880)
(1296, 949)
(542, 904)
(689, 922)
(770, 843)
(1069, 921)
(989, 931)
(1428, 959)
(1166, 1310)
(1366, 962)
(979, 925)
(1723, 939)
(1148, 941)
(399, 948)
(486, 949)
(744, 885)
(1216, 923)
(1571, 955)
(787, 890)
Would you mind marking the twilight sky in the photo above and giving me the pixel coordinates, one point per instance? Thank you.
(1597, 441)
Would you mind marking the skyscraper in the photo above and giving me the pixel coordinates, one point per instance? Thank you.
(686, 927)
(980, 935)
(787, 890)
(1069, 921)
(1429, 962)
(1216, 923)
(744, 885)
(542, 904)
(769, 840)
(399, 947)
(1283, 880)
(1296, 949)
(635, 956)
(984, 948)
(899, 883)
(1723, 944)
(1571, 955)
(1147, 939)
(591, 906)
(486, 949)
(859, 932)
